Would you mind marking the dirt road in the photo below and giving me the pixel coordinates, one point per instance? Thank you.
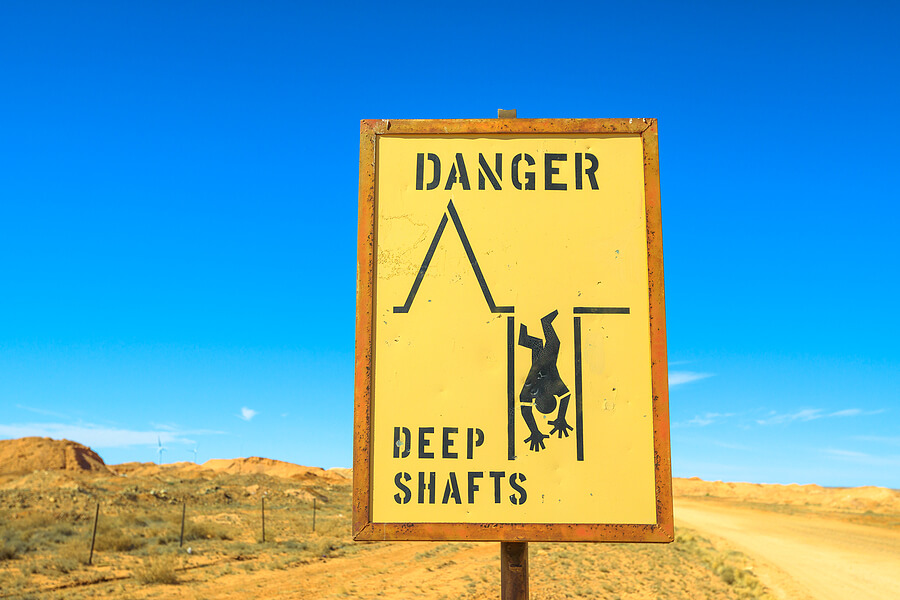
(803, 557)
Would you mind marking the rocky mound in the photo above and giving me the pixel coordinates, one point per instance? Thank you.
(253, 465)
(275, 468)
(138, 469)
(859, 499)
(342, 472)
(25, 455)
(149, 469)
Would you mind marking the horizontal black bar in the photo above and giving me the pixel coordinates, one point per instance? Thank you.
(601, 310)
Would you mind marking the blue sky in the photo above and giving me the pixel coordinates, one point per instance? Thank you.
(178, 192)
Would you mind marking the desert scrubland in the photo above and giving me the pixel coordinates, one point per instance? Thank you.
(733, 540)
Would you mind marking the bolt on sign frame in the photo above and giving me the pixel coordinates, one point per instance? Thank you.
(511, 375)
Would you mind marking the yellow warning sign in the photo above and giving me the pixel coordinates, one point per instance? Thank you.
(510, 374)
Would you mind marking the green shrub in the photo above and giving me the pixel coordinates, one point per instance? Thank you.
(135, 520)
(727, 574)
(205, 530)
(35, 520)
(323, 547)
(333, 527)
(116, 540)
(10, 549)
(68, 557)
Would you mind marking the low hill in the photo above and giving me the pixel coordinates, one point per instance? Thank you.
(25, 455)
(253, 465)
(274, 468)
(146, 469)
(857, 499)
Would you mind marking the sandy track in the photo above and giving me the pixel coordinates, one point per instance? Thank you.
(801, 556)
(409, 570)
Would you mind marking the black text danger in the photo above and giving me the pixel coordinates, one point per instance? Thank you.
(522, 171)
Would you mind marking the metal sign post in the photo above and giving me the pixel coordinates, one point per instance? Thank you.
(513, 555)
(514, 570)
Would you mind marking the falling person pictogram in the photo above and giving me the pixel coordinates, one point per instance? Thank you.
(544, 388)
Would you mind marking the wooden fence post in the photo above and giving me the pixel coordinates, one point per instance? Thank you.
(94, 534)
(181, 537)
(264, 518)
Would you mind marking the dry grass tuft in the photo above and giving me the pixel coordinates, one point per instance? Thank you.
(10, 550)
(158, 569)
(205, 530)
(116, 540)
(725, 565)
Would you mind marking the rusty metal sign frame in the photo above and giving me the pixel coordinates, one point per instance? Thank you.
(363, 526)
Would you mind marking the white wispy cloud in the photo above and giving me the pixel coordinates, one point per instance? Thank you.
(806, 414)
(165, 426)
(846, 453)
(100, 436)
(682, 377)
(847, 412)
(812, 414)
(41, 411)
(862, 457)
(247, 413)
(880, 439)
(731, 446)
(704, 420)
